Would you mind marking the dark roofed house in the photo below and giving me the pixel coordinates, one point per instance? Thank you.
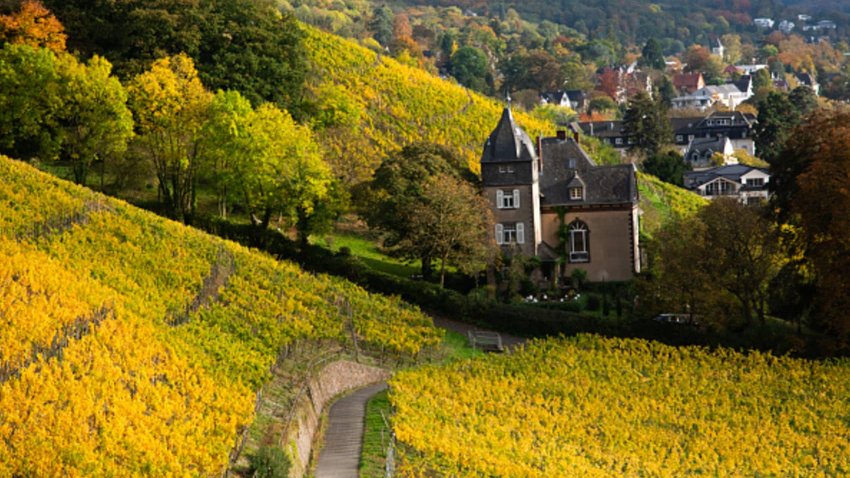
(807, 79)
(575, 99)
(609, 132)
(746, 183)
(736, 126)
(551, 189)
(701, 151)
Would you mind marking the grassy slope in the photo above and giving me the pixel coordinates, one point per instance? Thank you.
(661, 201)
(155, 388)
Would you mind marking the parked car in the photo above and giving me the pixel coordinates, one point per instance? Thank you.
(680, 319)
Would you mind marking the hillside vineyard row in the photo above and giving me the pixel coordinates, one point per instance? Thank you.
(597, 407)
(99, 379)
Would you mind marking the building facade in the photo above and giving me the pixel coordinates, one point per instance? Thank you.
(551, 201)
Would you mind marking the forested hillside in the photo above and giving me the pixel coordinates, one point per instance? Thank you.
(637, 21)
(130, 344)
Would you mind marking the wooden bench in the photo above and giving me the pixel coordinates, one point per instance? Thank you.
(486, 341)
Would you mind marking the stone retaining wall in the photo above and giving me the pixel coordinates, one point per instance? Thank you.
(334, 379)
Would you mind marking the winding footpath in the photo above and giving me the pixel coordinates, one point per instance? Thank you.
(340, 457)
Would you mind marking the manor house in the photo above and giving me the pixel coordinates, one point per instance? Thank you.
(550, 200)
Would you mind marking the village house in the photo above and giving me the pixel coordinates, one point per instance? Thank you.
(551, 201)
(728, 95)
(576, 99)
(701, 152)
(736, 126)
(687, 83)
(746, 183)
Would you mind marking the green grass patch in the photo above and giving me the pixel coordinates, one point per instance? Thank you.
(456, 347)
(369, 252)
(376, 437)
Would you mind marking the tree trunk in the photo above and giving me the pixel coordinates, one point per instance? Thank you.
(427, 271)
(443, 271)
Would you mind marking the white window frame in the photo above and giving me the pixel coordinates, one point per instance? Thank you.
(576, 193)
(576, 230)
(507, 199)
(510, 233)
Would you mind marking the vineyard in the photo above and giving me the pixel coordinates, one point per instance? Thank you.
(394, 105)
(589, 406)
(131, 345)
(379, 105)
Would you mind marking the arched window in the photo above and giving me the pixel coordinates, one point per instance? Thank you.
(578, 233)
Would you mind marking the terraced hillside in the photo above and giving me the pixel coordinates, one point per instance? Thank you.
(132, 345)
(591, 406)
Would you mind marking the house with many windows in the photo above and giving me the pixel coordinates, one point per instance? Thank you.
(746, 183)
(551, 201)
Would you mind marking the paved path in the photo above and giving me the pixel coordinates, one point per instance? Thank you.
(462, 328)
(340, 456)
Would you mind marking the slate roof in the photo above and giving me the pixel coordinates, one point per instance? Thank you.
(603, 129)
(508, 142)
(603, 184)
(732, 172)
(703, 145)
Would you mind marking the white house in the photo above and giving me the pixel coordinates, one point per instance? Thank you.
(728, 95)
(748, 184)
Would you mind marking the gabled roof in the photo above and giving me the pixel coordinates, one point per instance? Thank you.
(602, 184)
(508, 142)
(689, 81)
(603, 129)
(731, 172)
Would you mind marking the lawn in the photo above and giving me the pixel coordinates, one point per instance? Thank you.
(368, 252)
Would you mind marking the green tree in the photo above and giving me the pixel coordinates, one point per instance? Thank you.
(280, 171)
(668, 166)
(452, 224)
(398, 186)
(719, 260)
(95, 122)
(646, 124)
(469, 67)
(251, 47)
(170, 106)
(30, 102)
(247, 45)
(775, 119)
(381, 25)
(743, 253)
(652, 56)
(58, 108)
(224, 140)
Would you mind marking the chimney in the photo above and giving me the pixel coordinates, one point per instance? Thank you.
(562, 135)
(540, 152)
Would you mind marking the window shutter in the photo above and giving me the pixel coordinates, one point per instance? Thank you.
(500, 198)
(520, 233)
(499, 229)
(516, 198)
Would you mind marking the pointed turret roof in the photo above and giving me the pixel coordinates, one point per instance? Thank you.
(508, 142)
